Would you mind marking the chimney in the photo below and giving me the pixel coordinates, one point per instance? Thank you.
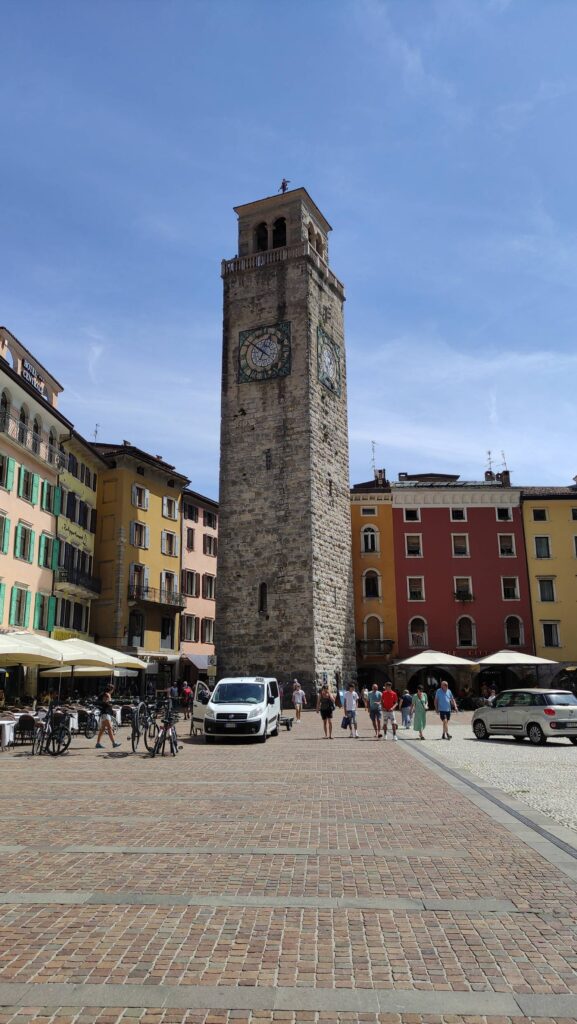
(403, 476)
(505, 477)
(127, 444)
(489, 475)
(380, 477)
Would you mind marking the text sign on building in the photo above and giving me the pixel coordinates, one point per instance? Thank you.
(31, 375)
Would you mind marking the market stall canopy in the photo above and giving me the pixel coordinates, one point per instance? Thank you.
(94, 654)
(514, 658)
(433, 658)
(86, 670)
(29, 650)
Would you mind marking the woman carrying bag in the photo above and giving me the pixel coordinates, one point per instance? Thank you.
(419, 711)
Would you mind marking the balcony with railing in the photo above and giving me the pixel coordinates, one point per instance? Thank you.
(280, 255)
(65, 578)
(375, 648)
(152, 595)
(27, 438)
(419, 640)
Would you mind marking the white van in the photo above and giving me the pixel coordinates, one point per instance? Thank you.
(243, 706)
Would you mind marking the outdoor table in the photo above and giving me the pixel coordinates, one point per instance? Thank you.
(6, 732)
(118, 714)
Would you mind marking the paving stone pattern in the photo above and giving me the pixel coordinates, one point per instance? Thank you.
(345, 873)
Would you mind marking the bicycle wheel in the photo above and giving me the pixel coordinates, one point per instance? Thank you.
(157, 746)
(135, 737)
(59, 740)
(90, 727)
(151, 736)
(38, 741)
(173, 742)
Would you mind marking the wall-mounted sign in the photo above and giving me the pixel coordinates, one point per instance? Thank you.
(31, 375)
(75, 534)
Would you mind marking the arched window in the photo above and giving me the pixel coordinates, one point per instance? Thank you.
(514, 634)
(261, 237)
(51, 446)
(466, 632)
(279, 233)
(319, 245)
(4, 409)
(311, 234)
(36, 435)
(373, 632)
(371, 583)
(418, 633)
(262, 599)
(369, 539)
(23, 425)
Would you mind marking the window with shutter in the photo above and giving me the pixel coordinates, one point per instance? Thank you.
(5, 529)
(2, 596)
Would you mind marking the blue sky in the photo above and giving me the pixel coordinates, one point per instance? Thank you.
(436, 137)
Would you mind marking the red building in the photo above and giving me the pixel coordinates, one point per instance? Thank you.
(460, 570)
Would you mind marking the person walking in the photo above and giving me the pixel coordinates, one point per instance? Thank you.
(326, 706)
(299, 699)
(106, 716)
(351, 703)
(390, 702)
(420, 705)
(365, 697)
(376, 709)
(444, 703)
(406, 708)
(186, 699)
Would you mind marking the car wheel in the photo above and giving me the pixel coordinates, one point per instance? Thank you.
(275, 731)
(208, 739)
(480, 730)
(573, 740)
(263, 738)
(519, 739)
(536, 735)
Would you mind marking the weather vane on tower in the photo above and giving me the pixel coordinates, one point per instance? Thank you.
(284, 185)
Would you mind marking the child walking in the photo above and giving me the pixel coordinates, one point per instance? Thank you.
(299, 699)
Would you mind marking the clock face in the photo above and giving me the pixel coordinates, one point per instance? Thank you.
(264, 353)
(328, 362)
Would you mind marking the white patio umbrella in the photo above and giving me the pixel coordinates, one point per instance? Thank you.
(28, 650)
(96, 654)
(430, 659)
(514, 658)
(86, 670)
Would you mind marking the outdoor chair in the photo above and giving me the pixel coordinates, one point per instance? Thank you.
(24, 729)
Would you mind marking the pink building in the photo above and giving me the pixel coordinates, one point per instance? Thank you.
(198, 584)
(31, 429)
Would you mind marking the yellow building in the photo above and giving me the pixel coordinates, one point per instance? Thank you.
(139, 556)
(373, 578)
(550, 524)
(76, 584)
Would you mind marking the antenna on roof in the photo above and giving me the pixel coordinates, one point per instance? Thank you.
(373, 448)
(489, 461)
(504, 460)
(96, 429)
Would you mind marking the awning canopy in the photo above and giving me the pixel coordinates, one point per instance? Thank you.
(201, 661)
(514, 658)
(86, 670)
(28, 649)
(436, 658)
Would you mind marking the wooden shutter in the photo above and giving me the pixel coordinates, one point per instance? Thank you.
(31, 548)
(35, 486)
(6, 537)
(196, 628)
(10, 474)
(163, 542)
(43, 492)
(42, 550)
(13, 602)
(165, 506)
(146, 498)
(176, 545)
(55, 552)
(18, 541)
(133, 534)
(27, 609)
(147, 536)
(197, 584)
(51, 614)
(37, 610)
(146, 580)
(57, 502)
(21, 472)
(135, 495)
(2, 594)
(204, 586)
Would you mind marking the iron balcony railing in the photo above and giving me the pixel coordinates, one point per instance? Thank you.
(171, 598)
(33, 442)
(373, 647)
(77, 578)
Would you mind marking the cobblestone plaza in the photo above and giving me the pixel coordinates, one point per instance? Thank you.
(300, 881)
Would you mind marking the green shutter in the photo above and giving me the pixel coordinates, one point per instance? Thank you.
(42, 550)
(32, 543)
(2, 593)
(35, 486)
(57, 505)
(27, 609)
(51, 614)
(13, 600)
(6, 537)
(37, 610)
(10, 474)
(18, 542)
(43, 492)
(21, 481)
(55, 552)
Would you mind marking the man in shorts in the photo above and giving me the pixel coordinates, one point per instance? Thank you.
(376, 709)
(389, 701)
(444, 702)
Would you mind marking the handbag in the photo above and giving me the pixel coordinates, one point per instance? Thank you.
(345, 722)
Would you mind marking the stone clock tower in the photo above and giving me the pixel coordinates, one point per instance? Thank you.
(284, 592)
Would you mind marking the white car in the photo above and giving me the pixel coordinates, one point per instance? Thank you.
(243, 706)
(535, 714)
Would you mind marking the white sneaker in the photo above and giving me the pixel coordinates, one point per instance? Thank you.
(395, 737)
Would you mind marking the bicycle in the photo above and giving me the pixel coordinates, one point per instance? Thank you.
(52, 737)
(144, 724)
(92, 724)
(167, 732)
